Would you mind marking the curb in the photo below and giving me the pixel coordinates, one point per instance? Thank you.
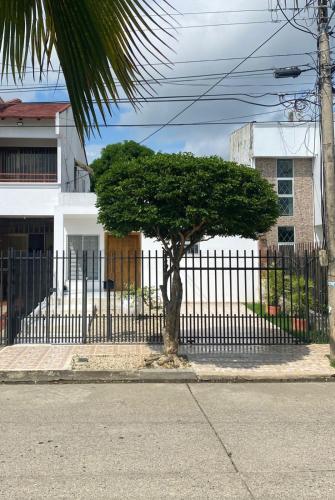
(96, 377)
(143, 376)
(238, 379)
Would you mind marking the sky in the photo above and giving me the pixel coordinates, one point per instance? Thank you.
(222, 35)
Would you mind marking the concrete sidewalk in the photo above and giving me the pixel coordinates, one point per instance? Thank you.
(52, 363)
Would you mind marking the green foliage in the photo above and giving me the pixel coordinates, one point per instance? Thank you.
(300, 292)
(118, 152)
(177, 197)
(98, 42)
(275, 287)
(149, 295)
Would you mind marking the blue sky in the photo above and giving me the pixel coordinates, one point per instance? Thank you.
(222, 35)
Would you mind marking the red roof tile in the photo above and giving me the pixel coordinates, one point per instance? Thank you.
(18, 109)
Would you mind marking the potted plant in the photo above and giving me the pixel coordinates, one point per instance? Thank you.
(135, 300)
(274, 293)
(301, 298)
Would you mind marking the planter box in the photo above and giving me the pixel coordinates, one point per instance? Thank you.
(273, 310)
(299, 324)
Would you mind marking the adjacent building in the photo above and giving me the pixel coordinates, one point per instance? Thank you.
(288, 155)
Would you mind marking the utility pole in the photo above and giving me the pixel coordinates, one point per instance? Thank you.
(327, 135)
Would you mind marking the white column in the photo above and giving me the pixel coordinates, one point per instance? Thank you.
(59, 247)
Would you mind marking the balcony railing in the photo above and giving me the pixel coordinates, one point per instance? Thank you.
(28, 164)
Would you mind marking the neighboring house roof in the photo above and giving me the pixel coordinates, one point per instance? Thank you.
(18, 109)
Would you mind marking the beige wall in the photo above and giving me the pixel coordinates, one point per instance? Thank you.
(303, 203)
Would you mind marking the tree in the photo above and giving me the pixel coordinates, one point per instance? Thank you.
(180, 200)
(120, 151)
(99, 44)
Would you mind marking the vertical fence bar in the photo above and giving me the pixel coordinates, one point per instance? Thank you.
(238, 331)
(10, 298)
(84, 297)
(223, 298)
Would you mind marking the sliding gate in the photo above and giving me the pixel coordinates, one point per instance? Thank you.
(228, 298)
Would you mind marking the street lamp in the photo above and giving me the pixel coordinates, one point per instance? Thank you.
(290, 72)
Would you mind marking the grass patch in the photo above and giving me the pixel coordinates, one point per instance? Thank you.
(284, 322)
(332, 363)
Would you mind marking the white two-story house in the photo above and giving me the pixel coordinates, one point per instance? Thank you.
(45, 199)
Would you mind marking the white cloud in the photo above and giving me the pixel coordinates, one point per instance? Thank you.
(93, 151)
(221, 42)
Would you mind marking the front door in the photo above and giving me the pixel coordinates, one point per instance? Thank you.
(123, 257)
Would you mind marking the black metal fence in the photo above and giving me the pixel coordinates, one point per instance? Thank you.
(274, 297)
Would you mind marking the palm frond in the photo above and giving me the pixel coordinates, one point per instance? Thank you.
(98, 42)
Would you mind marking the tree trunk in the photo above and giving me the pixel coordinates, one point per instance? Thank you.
(172, 309)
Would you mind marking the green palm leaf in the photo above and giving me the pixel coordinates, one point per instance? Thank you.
(98, 42)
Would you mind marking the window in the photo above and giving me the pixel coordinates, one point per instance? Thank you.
(285, 235)
(194, 249)
(24, 164)
(284, 168)
(78, 244)
(285, 186)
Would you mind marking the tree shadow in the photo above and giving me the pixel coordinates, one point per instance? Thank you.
(244, 356)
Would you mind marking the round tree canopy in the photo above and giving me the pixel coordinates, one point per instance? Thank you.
(167, 196)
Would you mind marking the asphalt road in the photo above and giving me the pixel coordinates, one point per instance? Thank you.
(141, 441)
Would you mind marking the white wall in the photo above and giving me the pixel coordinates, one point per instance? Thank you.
(221, 253)
(76, 214)
(32, 200)
(31, 129)
(241, 145)
(70, 149)
(285, 140)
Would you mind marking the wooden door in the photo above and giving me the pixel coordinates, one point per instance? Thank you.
(123, 256)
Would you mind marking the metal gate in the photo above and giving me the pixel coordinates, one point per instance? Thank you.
(277, 297)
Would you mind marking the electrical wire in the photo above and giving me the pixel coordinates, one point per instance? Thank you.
(242, 23)
(245, 73)
(146, 125)
(291, 23)
(215, 12)
(190, 61)
(233, 70)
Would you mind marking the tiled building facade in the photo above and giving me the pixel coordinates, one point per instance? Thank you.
(293, 181)
(288, 156)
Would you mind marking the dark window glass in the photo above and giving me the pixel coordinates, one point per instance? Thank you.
(286, 234)
(284, 168)
(28, 164)
(285, 187)
(286, 205)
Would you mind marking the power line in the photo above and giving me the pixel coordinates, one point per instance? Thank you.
(123, 125)
(182, 98)
(214, 25)
(238, 85)
(220, 80)
(191, 61)
(206, 76)
(172, 14)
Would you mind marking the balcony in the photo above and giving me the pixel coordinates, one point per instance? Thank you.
(28, 165)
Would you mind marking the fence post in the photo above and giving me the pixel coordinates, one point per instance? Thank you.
(10, 298)
(84, 298)
(48, 290)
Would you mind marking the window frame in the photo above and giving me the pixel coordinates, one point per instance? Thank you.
(194, 249)
(291, 196)
(69, 256)
(286, 243)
